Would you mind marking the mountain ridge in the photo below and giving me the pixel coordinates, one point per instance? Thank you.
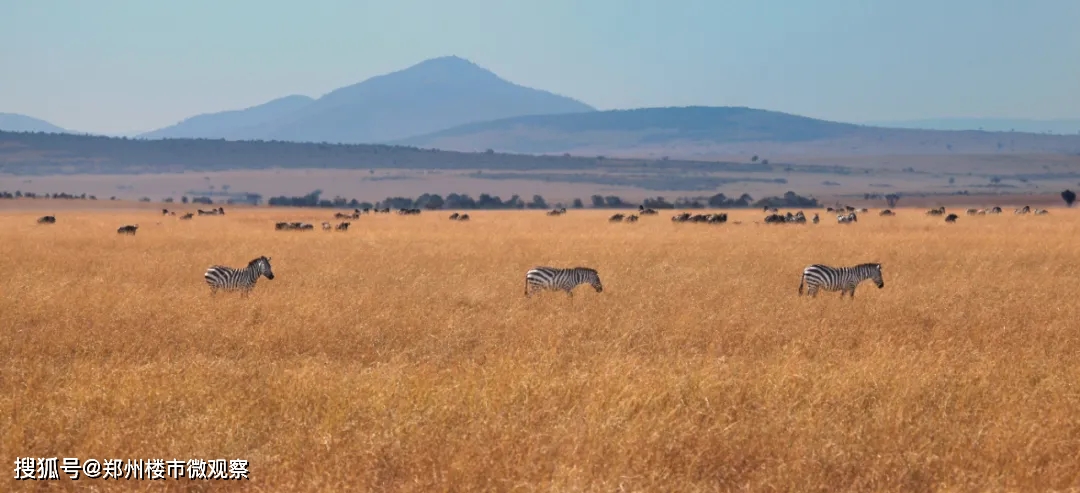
(14, 122)
(428, 96)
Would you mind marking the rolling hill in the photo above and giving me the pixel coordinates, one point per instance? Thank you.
(11, 122)
(232, 125)
(684, 130)
(432, 95)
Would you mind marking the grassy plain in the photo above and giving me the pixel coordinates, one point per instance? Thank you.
(402, 356)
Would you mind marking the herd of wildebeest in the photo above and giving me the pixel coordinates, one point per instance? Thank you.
(844, 215)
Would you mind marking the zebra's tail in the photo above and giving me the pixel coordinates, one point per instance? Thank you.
(801, 280)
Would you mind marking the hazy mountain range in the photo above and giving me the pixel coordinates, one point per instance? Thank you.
(451, 103)
(433, 95)
(12, 122)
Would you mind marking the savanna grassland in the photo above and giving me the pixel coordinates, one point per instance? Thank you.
(402, 355)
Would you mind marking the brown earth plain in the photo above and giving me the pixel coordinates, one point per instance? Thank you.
(402, 354)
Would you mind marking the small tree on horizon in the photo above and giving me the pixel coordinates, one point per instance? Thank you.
(892, 199)
(1069, 197)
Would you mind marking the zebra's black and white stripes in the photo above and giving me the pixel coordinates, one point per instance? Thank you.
(843, 279)
(243, 280)
(552, 278)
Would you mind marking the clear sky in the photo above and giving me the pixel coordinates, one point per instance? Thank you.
(117, 66)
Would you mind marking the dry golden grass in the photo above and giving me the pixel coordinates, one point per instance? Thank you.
(402, 355)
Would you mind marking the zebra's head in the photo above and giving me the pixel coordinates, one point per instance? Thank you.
(262, 266)
(593, 278)
(875, 275)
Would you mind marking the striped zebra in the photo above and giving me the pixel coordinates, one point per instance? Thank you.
(843, 279)
(539, 278)
(243, 280)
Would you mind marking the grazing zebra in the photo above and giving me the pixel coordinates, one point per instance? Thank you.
(951, 218)
(816, 218)
(565, 279)
(230, 279)
(1040, 212)
(843, 279)
(847, 219)
(343, 226)
(127, 230)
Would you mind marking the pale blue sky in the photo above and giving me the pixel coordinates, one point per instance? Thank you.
(136, 65)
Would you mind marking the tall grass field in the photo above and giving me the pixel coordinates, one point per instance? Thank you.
(402, 354)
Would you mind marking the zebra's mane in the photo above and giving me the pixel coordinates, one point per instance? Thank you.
(253, 262)
(873, 265)
(586, 269)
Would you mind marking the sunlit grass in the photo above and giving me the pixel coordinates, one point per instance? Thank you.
(403, 355)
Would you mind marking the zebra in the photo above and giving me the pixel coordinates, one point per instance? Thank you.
(127, 230)
(847, 219)
(230, 279)
(843, 279)
(553, 278)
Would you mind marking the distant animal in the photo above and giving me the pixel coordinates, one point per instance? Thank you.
(940, 211)
(164, 212)
(951, 218)
(681, 218)
(972, 212)
(343, 226)
(243, 280)
(557, 212)
(816, 218)
(631, 219)
(1040, 212)
(326, 226)
(616, 218)
(454, 216)
(887, 212)
(127, 230)
(843, 279)
(46, 220)
(551, 278)
(463, 217)
(847, 219)
(187, 216)
(995, 210)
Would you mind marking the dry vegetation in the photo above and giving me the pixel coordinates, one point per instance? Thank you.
(402, 356)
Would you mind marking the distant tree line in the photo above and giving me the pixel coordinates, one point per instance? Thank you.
(487, 201)
(4, 194)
